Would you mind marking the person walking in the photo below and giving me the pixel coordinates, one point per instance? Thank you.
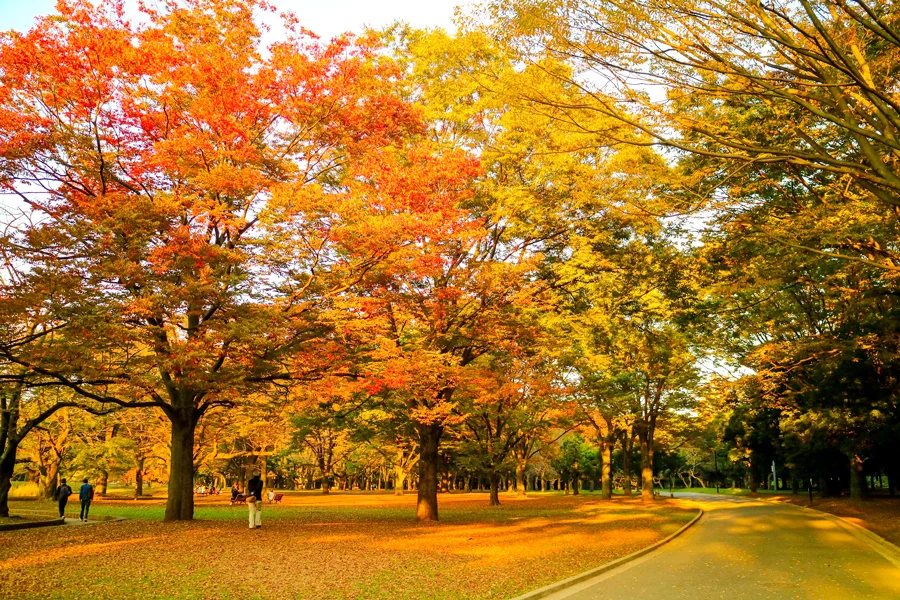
(62, 496)
(85, 494)
(254, 499)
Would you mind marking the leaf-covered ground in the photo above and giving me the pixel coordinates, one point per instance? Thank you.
(343, 546)
(881, 515)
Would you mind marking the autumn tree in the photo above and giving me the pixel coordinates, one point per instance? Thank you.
(507, 406)
(211, 198)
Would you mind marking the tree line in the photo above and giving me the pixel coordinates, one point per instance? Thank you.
(592, 239)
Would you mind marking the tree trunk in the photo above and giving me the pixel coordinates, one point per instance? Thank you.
(180, 505)
(626, 464)
(102, 482)
(139, 479)
(857, 478)
(429, 444)
(575, 486)
(606, 469)
(795, 485)
(49, 479)
(521, 465)
(7, 467)
(495, 489)
(754, 479)
(326, 481)
(646, 469)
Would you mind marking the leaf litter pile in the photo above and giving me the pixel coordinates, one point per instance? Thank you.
(342, 546)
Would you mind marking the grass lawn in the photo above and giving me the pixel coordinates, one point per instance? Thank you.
(347, 545)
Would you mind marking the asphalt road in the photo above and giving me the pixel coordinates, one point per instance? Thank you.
(748, 549)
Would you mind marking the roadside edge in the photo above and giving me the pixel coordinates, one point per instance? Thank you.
(552, 588)
(885, 548)
(31, 524)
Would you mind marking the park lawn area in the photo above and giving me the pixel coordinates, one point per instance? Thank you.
(347, 545)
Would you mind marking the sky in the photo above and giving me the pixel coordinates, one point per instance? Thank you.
(326, 18)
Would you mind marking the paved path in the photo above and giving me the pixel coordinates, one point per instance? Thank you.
(746, 549)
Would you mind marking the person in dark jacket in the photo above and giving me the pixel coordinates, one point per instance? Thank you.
(235, 490)
(85, 494)
(62, 496)
(254, 499)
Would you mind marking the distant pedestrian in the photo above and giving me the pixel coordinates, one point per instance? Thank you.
(86, 494)
(235, 490)
(254, 499)
(62, 496)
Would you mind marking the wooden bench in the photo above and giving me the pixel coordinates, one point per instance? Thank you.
(277, 498)
(239, 499)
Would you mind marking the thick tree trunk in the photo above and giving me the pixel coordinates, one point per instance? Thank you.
(575, 486)
(521, 465)
(646, 469)
(857, 478)
(139, 479)
(326, 481)
(754, 479)
(495, 489)
(429, 444)
(606, 469)
(795, 485)
(102, 482)
(49, 479)
(7, 466)
(180, 505)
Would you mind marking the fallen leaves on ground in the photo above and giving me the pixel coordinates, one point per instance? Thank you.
(881, 515)
(351, 546)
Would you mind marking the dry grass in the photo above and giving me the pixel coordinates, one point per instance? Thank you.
(881, 515)
(343, 546)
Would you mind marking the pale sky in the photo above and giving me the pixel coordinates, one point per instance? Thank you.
(326, 18)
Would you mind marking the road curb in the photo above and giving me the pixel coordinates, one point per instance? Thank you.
(31, 524)
(52, 520)
(581, 577)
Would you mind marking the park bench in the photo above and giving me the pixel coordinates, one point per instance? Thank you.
(277, 498)
(239, 499)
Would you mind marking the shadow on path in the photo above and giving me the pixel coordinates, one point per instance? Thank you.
(749, 549)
